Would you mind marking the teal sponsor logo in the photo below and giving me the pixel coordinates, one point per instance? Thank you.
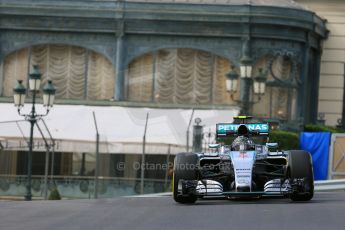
(263, 128)
(223, 129)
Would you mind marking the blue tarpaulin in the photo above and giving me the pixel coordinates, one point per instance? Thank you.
(317, 143)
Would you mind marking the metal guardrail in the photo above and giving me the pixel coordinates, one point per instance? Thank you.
(81, 187)
(329, 185)
(163, 194)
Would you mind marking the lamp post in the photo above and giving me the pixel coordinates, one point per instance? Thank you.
(259, 84)
(246, 79)
(19, 93)
(197, 135)
(246, 74)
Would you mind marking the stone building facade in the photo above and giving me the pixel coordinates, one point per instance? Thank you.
(167, 52)
(331, 89)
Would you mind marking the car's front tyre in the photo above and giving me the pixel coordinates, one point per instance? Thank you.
(184, 169)
(300, 166)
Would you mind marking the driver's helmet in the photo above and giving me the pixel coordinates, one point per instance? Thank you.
(242, 143)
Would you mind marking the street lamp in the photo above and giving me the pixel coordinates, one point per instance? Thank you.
(232, 81)
(259, 84)
(246, 67)
(19, 93)
(48, 94)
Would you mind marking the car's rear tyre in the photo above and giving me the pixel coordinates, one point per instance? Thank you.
(300, 166)
(184, 169)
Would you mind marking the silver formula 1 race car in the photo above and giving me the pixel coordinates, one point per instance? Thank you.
(243, 168)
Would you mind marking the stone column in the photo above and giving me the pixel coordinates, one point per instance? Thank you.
(303, 90)
(119, 94)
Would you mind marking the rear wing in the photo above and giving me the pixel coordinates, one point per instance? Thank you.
(228, 129)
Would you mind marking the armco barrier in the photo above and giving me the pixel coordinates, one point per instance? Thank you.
(329, 185)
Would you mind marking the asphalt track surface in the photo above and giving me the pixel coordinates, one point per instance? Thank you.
(325, 211)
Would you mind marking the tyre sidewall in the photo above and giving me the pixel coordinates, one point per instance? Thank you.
(300, 166)
(184, 168)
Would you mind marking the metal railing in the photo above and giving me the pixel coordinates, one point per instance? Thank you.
(82, 187)
(330, 185)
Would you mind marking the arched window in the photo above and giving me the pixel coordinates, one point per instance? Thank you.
(178, 76)
(280, 98)
(77, 73)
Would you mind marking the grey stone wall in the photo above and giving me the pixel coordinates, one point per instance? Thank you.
(124, 30)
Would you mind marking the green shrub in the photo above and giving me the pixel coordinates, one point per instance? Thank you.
(322, 128)
(286, 140)
(54, 195)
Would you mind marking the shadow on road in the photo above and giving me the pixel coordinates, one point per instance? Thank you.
(319, 198)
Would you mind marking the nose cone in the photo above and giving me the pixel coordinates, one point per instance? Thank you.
(243, 188)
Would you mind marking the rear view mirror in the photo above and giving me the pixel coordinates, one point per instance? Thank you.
(214, 146)
(272, 145)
